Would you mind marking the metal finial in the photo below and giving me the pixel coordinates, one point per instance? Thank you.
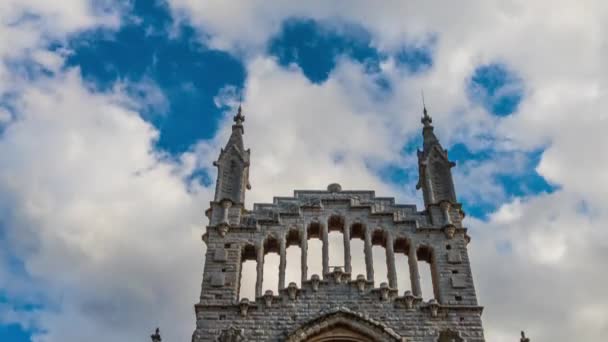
(426, 119)
(423, 104)
(239, 117)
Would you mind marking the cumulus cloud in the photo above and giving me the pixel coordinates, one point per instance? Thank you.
(107, 229)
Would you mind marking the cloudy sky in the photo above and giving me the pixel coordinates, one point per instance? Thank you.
(111, 114)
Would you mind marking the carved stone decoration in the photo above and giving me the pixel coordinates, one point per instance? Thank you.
(384, 290)
(268, 298)
(315, 280)
(337, 274)
(334, 187)
(244, 307)
(409, 299)
(434, 307)
(449, 231)
(222, 229)
(231, 334)
(524, 338)
(361, 282)
(292, 290)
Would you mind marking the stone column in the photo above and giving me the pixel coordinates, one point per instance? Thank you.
(369, 259)
(259, 269)
(304, 251)
(414, 275)
(390, 262)
(282, 262)
(347, 261)
(325, 238)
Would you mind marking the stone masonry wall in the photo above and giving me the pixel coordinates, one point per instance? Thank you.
(436, 234)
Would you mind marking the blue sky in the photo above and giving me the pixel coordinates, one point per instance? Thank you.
(104, 108)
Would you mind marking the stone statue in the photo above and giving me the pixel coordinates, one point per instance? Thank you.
(524, 338)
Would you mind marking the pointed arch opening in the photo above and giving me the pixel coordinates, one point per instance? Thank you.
(428, 272)
(294, 258)
(343, 325)
(271, 265)
(402, 248)
(315, 250)
(379, 257)
(335, 227)
(248, 273)
(357, 249)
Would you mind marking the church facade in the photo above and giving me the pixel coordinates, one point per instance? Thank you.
(338, 305)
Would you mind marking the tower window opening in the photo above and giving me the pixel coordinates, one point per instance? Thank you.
(428, 273)
(402, 264)
(315, 250)
(271, 265)
(379, 258)
(248, 273)
(294, 258)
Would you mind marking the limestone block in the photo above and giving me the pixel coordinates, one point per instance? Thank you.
(220, 255)
(218, 279)
(454, 257)
(458, 281)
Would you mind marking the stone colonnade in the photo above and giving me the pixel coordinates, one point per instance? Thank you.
(321, 230)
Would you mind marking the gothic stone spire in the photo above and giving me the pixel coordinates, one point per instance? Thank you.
(434, 167)
(233, 165)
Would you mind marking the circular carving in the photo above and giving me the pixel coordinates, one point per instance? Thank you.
(334, 187)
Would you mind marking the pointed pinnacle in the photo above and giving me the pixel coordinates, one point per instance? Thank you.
(239, 117)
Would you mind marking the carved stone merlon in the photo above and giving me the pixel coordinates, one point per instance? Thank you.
(434, 307)
(156, 336)
(222, 229)
(268, 296)
(292, 290)
(314, 281)
(409, 299)
(244, 307)
(361, 282)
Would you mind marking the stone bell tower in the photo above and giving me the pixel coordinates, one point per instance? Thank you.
(337, 305)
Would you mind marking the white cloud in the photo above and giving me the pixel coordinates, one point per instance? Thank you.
(104, 225)
(109, 233)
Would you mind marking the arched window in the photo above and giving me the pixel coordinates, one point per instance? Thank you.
(357, 250)
(402, 248)
(379, 257)
(293, 257)
(271, 265)
(428, 273)
(315, 250)
(248, 272)
(335, 226)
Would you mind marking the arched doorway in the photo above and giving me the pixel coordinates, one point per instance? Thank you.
(339, 334)
(343, 325)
